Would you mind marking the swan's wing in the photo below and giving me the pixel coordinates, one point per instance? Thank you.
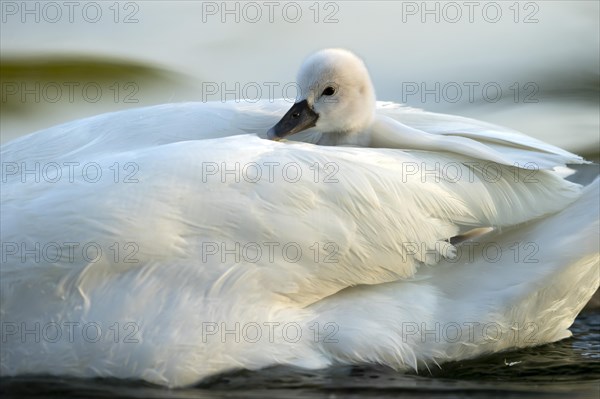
(146, 127)
(432, 131)
(258, 229)
(518, 288)
(383, 211)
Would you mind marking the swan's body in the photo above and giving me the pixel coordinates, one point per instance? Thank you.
(208, 229)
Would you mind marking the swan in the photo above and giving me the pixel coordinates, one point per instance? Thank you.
(176, 242)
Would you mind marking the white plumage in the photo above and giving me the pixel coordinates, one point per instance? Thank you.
(308, 255)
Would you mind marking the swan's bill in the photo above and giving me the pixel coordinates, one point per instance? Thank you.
(300, 117)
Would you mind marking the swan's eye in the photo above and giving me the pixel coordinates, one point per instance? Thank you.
(329, 91)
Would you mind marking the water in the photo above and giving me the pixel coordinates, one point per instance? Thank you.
(569, 368)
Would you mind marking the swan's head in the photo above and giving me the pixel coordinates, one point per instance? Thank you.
(335, 96)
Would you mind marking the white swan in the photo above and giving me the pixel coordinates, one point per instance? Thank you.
(147, 244)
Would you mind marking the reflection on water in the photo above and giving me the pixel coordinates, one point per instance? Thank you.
(570, 367)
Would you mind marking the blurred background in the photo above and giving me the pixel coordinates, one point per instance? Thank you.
(532, 66)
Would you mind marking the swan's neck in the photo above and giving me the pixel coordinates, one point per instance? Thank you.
(359, 138)
(341, 139)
